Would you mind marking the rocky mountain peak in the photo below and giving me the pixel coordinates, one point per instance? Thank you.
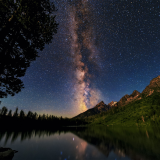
(135, 93)
(111, 104)
(100, 104)
(128, 98)
(99, 108)
(155, 81)
(153, 86)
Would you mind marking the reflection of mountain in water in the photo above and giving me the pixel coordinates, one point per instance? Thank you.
(6, 153)
(138, 144)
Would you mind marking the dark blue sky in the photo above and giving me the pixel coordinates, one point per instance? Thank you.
(102, 51)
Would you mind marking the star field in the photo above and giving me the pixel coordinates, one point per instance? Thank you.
(119, 44)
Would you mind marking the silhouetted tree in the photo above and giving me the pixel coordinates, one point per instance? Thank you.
(39, 118)
(4, 111)
(50, 117)
(30, 115)
(22, 115)
(35, 115)
(25, 27)
(16, 113)
(43, 116)
(10, 113)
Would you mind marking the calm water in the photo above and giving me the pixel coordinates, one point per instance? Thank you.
(84, 144)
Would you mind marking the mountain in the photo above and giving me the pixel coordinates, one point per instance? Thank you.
(135, 109)
(128, 98)
(140, 106)
(99, 108)
(111, 104)
(102, 107)
(154, 86)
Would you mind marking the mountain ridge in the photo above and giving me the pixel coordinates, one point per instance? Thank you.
(101, 107)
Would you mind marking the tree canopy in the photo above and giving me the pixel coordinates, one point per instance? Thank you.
(25, 27)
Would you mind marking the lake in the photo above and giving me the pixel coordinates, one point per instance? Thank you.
(77, 143)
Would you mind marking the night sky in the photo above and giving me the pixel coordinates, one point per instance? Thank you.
(103, 50)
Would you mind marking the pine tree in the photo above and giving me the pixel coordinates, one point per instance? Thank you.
(22, 115)
(4, 111)
(16, 113)
(10, 113)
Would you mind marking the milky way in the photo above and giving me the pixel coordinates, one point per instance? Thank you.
(82, 39)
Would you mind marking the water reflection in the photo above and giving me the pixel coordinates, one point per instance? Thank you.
(84, 143)
(136, 143)
(58, 145)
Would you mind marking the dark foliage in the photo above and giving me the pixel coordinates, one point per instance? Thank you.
(25, 27)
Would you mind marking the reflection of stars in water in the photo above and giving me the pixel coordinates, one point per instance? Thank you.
(77, 149)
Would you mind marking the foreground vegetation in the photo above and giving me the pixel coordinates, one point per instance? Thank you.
(145, 111)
